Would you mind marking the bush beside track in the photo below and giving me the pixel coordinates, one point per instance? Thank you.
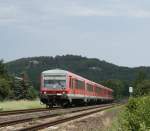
(135, 116)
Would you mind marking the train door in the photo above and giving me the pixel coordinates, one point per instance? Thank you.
(94, 91)
(76, 91)
(74, 86)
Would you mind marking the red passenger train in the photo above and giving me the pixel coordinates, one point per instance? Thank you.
(61, 87)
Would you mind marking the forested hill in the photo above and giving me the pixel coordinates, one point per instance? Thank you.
(91, 68)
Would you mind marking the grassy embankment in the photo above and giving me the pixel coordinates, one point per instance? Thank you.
(17, 105)
(113, 116)
(115, 125)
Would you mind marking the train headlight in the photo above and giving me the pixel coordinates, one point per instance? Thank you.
(64, 92)
(44, 92)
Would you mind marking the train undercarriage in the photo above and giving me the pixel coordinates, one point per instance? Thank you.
(65, 101)
(55, 100)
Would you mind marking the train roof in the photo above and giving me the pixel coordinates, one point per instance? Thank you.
(55, 71)
(64, 72)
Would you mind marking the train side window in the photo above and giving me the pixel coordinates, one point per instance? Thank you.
(110, 93)
(89, 87)
(80, 84)
(71, 83)
(98, 89)
(74, 83)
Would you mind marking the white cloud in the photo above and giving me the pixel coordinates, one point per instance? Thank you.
(67, 26)
(139, 13)
(8, 13)
(37, 10)
(83, 11)
(127, 11)
(118, 8)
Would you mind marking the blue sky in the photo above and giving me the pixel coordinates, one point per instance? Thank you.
(113, 30)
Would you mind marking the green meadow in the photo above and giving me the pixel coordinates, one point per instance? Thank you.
(21, 104)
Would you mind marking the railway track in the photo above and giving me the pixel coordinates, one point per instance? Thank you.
(41, 126)
(63, 120)
(15, 112)
(13, 122)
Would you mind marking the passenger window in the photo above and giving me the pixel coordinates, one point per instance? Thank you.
(98, 89)
(80, 84)
(89, 87)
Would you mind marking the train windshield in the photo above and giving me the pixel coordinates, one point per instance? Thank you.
(55, 82)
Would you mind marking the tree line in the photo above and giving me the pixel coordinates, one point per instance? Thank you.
(16, 88)
(12, 87)
(107, 74)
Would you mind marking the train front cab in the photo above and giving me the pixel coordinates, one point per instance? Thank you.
(54, 90)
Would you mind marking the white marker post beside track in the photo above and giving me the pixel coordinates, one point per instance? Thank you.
(130, 91)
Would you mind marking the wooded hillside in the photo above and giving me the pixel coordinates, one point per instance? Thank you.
(91, 68)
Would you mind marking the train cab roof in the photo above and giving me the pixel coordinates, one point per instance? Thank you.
(55, 71)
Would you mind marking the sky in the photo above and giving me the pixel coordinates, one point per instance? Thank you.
(117, 31)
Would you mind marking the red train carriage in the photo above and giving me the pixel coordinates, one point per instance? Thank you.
(60, 87)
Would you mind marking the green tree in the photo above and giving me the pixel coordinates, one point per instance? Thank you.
(140, 77)
(3, 71)
(17, 89)
(5, 82)
(143, 88)
(31, 93)
(117, 86)
(23, 88)
(4, 88)
(141, 85)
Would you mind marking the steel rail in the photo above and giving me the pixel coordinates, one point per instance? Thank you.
(63, 120)
(14, 122)
(14, 112)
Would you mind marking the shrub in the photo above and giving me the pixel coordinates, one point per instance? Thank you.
(31, 93)
(137, 115)
(4, 88)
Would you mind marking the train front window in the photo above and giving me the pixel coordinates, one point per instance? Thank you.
(55, 84)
